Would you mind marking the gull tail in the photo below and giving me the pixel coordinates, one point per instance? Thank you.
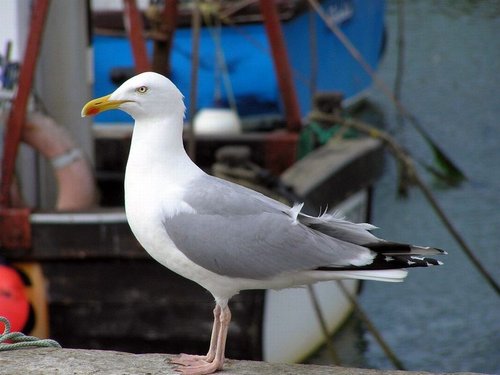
(389, 275)
(389, 264)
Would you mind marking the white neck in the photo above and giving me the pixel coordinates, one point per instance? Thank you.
(157, 147)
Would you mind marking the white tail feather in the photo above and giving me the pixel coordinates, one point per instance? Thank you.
(394, 275)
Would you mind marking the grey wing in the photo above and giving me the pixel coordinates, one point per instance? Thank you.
(334, 226)
(238, 199)
(213, 195)
(235, 232)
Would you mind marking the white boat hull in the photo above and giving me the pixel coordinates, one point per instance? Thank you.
(291, 331)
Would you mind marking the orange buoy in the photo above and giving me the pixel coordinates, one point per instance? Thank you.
(14, 303)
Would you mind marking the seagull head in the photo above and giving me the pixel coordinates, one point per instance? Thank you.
(147, 95)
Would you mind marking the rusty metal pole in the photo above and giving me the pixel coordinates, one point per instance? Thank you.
(15, 228)
(135, 27)
(170, 14)
(17, 113)
(281, 64)
(163, 23)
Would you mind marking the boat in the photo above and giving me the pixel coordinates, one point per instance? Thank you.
(361, 20)
(105, 292)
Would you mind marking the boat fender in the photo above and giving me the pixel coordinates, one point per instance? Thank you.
(75, 180)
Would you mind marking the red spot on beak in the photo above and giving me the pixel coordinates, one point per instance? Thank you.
(92, 111)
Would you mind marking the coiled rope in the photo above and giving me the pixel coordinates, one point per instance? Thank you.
(17, 340)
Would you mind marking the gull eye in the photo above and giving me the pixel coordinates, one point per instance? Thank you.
(142, 90)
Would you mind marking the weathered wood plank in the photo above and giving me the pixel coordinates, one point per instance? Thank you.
(335, 171)
(140, 306)
(99, 362)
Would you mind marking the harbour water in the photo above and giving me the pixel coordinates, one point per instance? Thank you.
(446, 318)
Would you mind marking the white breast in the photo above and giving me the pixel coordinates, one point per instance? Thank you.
(150, 199)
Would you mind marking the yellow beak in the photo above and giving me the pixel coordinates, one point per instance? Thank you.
(100, 105)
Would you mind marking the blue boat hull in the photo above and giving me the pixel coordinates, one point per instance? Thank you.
(249, 62)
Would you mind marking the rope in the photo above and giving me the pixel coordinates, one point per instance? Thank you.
(324, 328)
(17, 340)
(451, 171)
(261, 47)
(406, 163)
(220, 60)
(391, 355)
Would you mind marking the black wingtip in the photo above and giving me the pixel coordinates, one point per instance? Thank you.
(386, 262)
(395, 248)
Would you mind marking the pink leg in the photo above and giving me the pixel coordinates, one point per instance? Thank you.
(191, 359)
(215, 335)
(203, 367)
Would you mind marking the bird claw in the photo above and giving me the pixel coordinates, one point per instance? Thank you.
(199, 367)
(189, 359)
(190, 364)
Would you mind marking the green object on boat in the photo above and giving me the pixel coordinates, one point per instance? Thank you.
(315, 135)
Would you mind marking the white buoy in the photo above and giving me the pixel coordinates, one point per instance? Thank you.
(210, 121)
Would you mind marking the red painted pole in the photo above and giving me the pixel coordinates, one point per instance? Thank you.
(281, 64)
(135, 27)
(17, 113)
(165, 30)
(170, 14)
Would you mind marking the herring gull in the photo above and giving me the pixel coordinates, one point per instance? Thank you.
(226, 237)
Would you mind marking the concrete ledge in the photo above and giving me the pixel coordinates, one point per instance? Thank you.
(78, 362)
